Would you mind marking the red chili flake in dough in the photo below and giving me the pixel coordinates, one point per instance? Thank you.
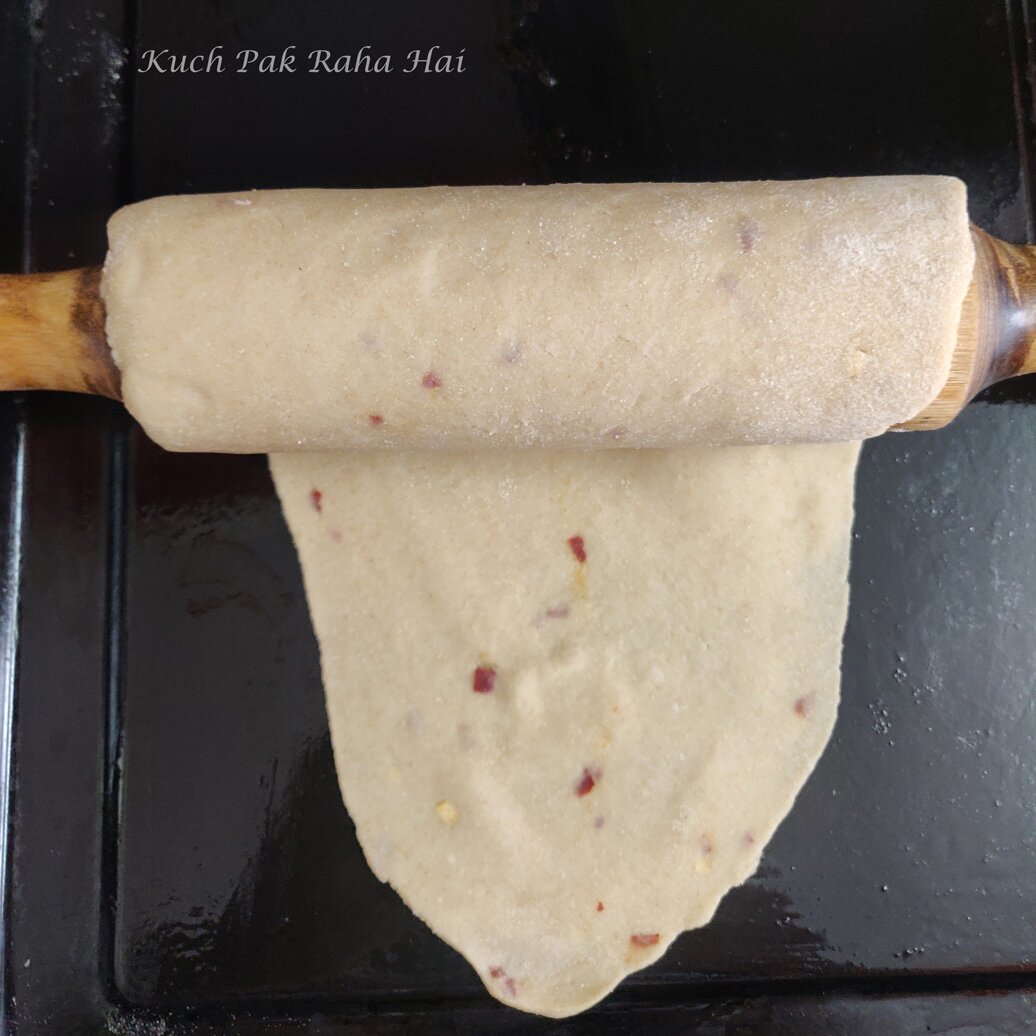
(316, 498)
(706, 845)
(802, 706)
(560, 611)
(587, 781)
(376, 419)
(578, 548)
(336, 536)
(598, 823)
(600, 906)
(509, 984)
(431, 380)
(644, 938)
(748, 839)
(483, 679)
(748, 232)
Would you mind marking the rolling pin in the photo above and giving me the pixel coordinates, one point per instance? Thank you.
(196, 263)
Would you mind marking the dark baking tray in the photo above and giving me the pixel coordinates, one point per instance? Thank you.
(176, 857)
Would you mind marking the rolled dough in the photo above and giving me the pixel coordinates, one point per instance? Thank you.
(571, 695)
(580, 316)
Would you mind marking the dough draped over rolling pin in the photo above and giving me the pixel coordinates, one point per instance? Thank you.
(572, 694)
(585, 316)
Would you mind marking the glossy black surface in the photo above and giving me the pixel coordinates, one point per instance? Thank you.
(179, 859)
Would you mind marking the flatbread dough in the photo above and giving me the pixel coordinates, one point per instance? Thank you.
(585, 315)
(571, 695)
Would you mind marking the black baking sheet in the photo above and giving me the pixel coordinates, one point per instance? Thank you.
(177, 858)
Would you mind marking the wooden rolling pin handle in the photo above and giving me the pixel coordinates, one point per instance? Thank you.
(996, 339)
(1011, 307)
(52, 333)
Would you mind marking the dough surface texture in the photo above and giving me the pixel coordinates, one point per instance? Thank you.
(572, 695)
(573, 316)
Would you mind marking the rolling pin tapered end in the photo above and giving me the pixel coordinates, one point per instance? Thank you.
(52, 330)
(996, 337)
